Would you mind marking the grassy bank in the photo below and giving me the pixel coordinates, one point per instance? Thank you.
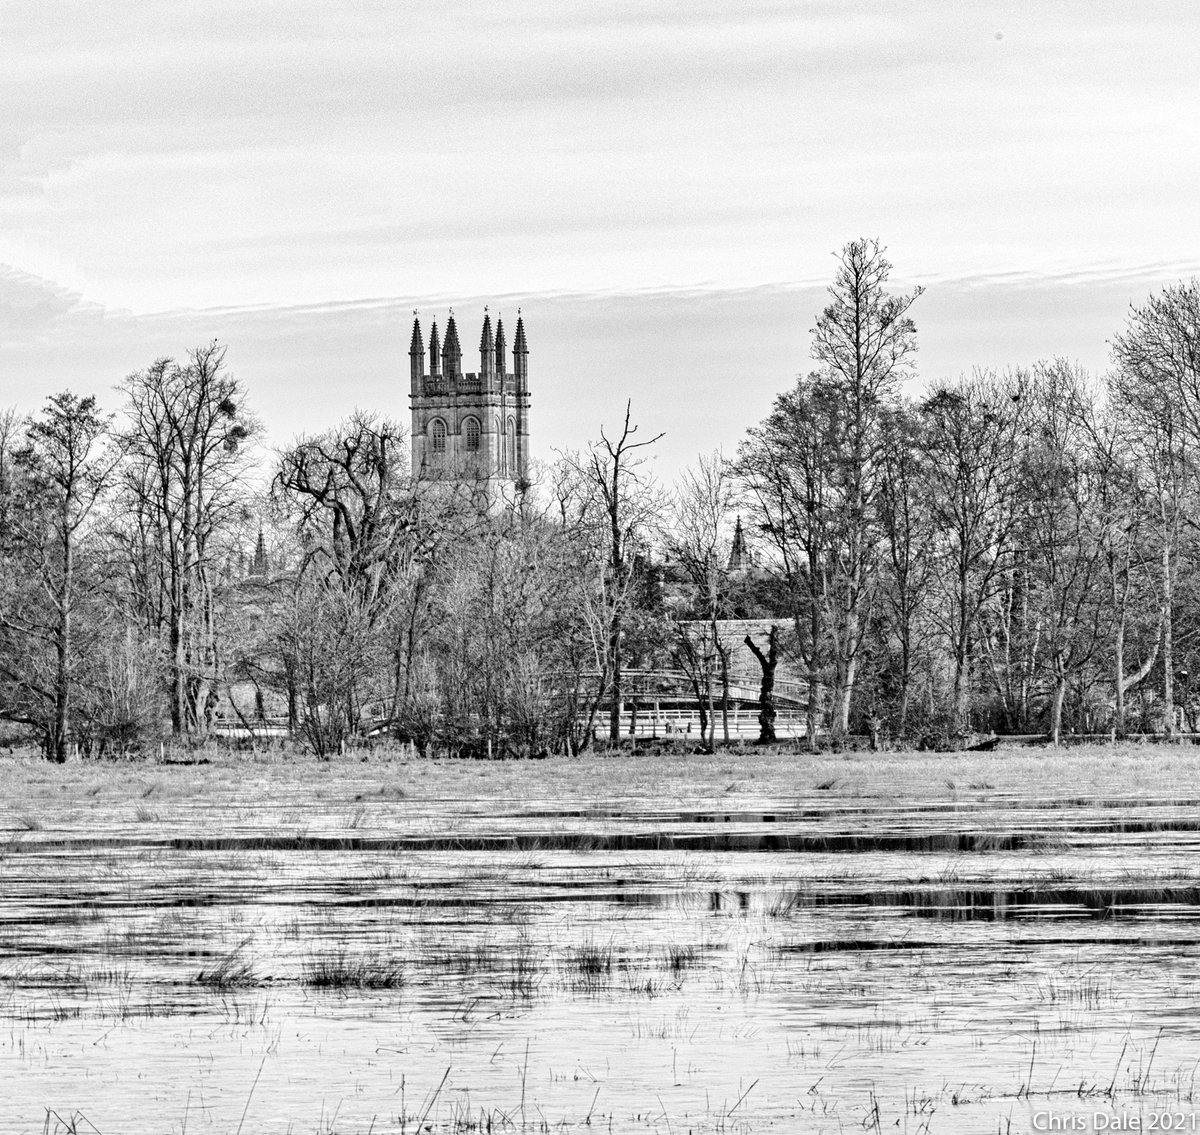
(33, 791)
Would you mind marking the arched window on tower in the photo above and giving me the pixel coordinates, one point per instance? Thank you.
(501, 456)
(437, 437)
(471, 432)
(512, 448)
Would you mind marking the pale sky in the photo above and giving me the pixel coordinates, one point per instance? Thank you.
(659, 185)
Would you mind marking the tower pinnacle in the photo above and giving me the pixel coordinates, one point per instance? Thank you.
(501, 345)
(487, 349)
(451, 351)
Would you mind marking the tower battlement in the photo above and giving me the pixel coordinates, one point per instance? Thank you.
(469, 424)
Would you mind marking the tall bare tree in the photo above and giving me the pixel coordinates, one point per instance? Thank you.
(58, 475)
(973, 436)
(188, 459)
(696, 535)
(1156, 381)
(815, 469)
(621, 505)
(908, 549)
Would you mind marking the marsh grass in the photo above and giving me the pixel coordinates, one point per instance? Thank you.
(678, 958)
(1083, 990)
(232, 970)
(74, 1123)
(348, 971)
(590, 965)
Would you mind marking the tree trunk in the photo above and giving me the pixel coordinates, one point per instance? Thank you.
(62, 692)
(1056, 706)
(725, 693)
(766, 692)
(1167, 645)
(1124, 681)
(614, 649)
(905, 678)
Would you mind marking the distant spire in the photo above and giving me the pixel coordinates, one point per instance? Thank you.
(258, 566)
(519, 344)
(486, 342)
(417, 347)
(737, 554)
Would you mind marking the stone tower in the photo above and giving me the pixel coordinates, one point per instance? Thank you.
(470, 425)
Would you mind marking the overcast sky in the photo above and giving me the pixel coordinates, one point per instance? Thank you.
(659, 185)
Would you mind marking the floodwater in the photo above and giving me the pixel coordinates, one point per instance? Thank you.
(270, 959)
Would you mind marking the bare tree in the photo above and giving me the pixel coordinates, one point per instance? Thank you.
(59, 475)
(695, 534)
(1155, 426)
(814, 469)
(768, 661)
(1065, 556)
(623, 503)
(909, 542)
(972, 446)
(187, 445)
(1157, 384)
(1123, 521)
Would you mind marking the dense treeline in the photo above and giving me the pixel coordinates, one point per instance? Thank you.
(1010, 552)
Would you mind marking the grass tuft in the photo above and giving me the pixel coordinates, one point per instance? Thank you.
(232, 971)
(344, 971)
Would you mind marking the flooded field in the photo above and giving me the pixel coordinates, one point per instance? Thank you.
(910, 943)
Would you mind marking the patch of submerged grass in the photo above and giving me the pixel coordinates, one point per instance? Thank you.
(231, 971)
(590, 959)
(785, 905)
(346, 971)
(1085, 990)
(591, 964)
(641, 984)
(679, 958)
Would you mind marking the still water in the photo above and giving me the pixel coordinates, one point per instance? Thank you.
(248, 954)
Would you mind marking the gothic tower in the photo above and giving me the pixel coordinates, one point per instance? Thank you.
(473, 425)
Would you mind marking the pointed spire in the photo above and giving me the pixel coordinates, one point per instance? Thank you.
(737, 554)
(416, 356)
(258, 566)
(501, 344)
(520, 354)
(487, 348)
(435, 351)
(451, 351)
